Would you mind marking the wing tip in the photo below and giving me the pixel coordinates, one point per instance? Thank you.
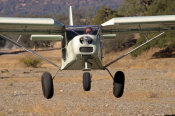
(109, 22)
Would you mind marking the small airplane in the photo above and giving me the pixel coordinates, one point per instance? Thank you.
(82, 45)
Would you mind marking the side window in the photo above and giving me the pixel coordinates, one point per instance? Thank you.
(68, 36)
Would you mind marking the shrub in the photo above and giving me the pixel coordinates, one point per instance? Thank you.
(161, 42)
(31, 61)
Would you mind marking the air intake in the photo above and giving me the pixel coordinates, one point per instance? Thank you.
(86, 49)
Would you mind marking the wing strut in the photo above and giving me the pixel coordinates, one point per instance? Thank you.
(133, 50)
(28, 50)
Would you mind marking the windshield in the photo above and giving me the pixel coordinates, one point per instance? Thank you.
(71, 32)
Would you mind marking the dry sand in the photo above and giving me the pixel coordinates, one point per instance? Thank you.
(149, 88)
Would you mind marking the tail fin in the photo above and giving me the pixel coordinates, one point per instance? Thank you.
(71, 23)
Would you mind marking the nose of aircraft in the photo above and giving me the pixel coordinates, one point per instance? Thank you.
(86, 40)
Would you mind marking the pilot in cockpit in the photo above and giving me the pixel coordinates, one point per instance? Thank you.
(88, 30)
(86, 39)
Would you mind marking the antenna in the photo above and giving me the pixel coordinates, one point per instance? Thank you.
(71, 23)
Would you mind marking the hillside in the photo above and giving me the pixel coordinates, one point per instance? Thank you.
(45, 7)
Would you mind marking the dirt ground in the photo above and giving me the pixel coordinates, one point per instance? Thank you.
(149, 88)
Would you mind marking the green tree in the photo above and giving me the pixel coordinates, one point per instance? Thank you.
(134, 7)
(103, 14)
(163, 7)
(78, 15)
(62, 19)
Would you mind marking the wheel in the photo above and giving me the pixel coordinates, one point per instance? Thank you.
(86, 81)
(47, 85)
(119, 82)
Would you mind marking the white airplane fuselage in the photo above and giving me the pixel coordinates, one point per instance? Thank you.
(82, 49)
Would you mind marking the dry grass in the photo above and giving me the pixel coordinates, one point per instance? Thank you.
(30, 61)
(153, 95)
(2, 114)
(170, 74)
(141, 62)
(138, 95)
(41, 109)
(144, 61)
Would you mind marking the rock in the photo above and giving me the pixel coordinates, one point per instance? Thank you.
(11, 84)
(10, 111)
(25, 72)
(15, 93)
(61, 90)
(5, 71)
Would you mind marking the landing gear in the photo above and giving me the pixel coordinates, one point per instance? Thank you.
(86, 81)
(47, 85)
(119, 81)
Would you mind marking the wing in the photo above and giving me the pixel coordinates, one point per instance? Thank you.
(40, 28)
(139, 24)
(30, 26)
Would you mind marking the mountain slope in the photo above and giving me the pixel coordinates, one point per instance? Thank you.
(50, 7)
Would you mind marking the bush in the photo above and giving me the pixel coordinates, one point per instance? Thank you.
(31, 61)
(161, 42)
(121, 42)
(2, 42)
